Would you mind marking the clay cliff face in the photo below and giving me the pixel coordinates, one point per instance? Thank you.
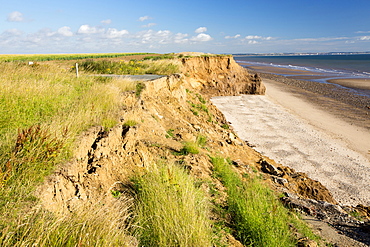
(221, 76)
(105, 160)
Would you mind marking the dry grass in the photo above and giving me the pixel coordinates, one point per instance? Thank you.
(43, 109)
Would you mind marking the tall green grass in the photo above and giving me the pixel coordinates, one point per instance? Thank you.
(51, 57)
(258, 217)
(91, 225)
(133, 67)
(171, 210)
(43, 109)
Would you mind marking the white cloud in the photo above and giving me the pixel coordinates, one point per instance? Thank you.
(202, 37)
(157, 38)
(144, 18)
(86, 29)
(252, 42)
(14, 32)
(322, 39)
(253, 37)
(15, 16)
(180, 38)
(365, 38)
(149, 25)
(232, 37)
(108, 21)
(113, 33)
(363, 32)
(65, 31)
(201, 30)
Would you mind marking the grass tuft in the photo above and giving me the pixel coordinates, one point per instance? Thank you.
(190, 148)
(94, 225)
(258, 217)
(171, 210)
(130, 123)
(139, 89)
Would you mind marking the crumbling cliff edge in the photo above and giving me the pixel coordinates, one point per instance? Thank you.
(105, 159)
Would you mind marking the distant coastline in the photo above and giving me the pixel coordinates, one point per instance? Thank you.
(301, 53)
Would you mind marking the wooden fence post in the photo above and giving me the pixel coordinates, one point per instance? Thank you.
(76, 69)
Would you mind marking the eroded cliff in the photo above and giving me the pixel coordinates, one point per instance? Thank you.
(170, 111)
(221, 76)
(104, 160)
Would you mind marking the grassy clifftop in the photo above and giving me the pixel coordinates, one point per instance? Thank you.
(90, 162)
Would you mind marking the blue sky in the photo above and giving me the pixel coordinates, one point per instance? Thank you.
(233, 26)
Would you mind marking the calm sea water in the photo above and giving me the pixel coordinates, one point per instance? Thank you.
(342, 65)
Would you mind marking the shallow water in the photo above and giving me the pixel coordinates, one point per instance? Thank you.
(347, 65)
(319, 68)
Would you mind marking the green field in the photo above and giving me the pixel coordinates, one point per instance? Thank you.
(52, 57)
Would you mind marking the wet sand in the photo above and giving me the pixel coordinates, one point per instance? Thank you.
(352, 83)
(309, 131)
(361, 83)
(277, 70)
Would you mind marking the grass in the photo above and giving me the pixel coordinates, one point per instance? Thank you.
(171, 210)
(200, 107)
(258, 218)
(139, 89)
(43, 109)
(190, 148)
(170, 133)
(193, 147)
(130, 123)
(161, 57)
(94, 225)
(51, 57)
(201, 140)
(133, 67)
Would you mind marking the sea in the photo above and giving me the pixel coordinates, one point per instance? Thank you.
(353, 66)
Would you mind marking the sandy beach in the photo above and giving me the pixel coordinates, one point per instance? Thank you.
(353, 82)
(303, 130)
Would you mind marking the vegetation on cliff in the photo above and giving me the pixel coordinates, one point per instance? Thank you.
(146, 177)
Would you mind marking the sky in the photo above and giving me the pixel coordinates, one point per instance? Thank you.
(164, 26)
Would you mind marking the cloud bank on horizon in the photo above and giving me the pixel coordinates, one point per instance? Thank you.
(165, 27)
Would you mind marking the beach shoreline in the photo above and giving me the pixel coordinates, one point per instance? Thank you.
(340, 102)
(309, 131)
(355, 84)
